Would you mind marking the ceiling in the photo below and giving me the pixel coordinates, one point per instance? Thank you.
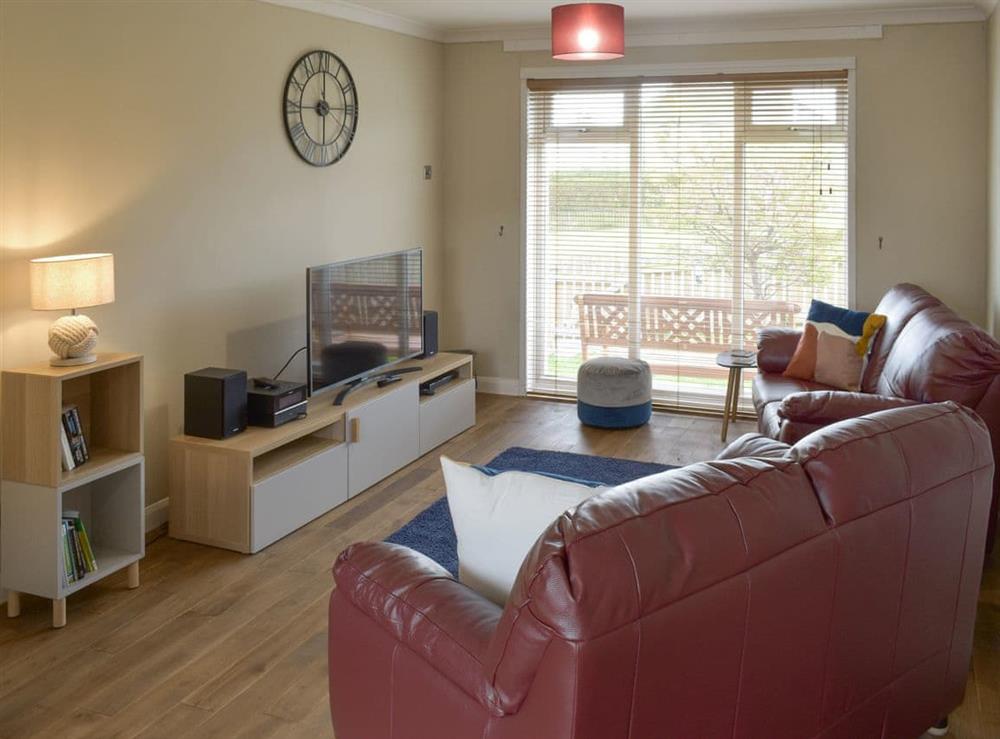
(486, 20)
(460, 15)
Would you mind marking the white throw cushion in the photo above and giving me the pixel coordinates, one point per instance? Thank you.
(499, 517)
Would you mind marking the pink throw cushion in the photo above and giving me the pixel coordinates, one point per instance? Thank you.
(837, 361)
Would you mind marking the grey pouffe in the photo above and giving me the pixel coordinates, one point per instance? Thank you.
(614, 392)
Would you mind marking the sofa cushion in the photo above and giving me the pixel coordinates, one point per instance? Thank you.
(865, 464)
(770, 388)
(803, 363)
(498, 516)
(898, 306)
(837, 362)
(833, 345)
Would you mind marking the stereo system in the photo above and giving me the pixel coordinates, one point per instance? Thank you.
(215, 402)
(273, 402)
(218, 404)
(430, 333)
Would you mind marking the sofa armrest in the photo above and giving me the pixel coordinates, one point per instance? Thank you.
(422, 606)
(775, 347)
(829, 406)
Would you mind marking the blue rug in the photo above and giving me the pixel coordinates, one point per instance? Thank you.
(431, 531)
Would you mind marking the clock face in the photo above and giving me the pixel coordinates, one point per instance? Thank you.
(321, 108)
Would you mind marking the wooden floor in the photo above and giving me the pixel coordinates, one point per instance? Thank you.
(217, 644)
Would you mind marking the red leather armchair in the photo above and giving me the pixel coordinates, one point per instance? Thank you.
(924, 354)
(826, 590)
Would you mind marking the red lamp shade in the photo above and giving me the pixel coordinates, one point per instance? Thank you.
(588, 31)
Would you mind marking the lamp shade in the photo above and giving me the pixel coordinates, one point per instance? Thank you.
(72, 281)
(588, 31)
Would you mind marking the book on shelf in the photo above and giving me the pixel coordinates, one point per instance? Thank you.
(79, 553)
(88, 552)
(68, 463)
(69, 571)
(72, 430)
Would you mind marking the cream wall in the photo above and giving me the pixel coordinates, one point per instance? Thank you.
(993, 210)
(154, 130)
(921, 173)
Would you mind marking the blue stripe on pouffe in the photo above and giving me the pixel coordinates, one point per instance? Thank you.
(614, 418)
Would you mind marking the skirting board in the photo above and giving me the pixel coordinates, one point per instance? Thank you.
(156, 514)
(498, 385)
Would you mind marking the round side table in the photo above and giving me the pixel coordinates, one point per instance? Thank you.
(733, 387)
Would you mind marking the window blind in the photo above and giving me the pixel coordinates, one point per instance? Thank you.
(670, 218)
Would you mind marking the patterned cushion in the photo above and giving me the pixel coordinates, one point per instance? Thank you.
(837, 362)
(833, 345)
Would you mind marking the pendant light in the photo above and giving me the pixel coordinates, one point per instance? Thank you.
(587, 31)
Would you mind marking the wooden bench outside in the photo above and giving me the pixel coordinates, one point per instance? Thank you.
(675, 324)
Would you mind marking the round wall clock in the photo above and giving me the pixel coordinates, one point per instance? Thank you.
(321, 108)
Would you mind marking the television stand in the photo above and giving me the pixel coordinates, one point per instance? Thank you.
(248, 491)
(368, 379)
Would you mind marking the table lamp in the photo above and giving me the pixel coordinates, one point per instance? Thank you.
(68, 283)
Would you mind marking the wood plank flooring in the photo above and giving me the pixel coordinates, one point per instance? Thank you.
(218, 644)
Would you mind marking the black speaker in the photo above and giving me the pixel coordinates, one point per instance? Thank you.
(215, 402)
(430, 333)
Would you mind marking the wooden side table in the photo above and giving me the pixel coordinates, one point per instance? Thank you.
(733, 387)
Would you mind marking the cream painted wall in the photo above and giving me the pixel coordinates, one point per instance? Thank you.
(993, 209)
(921, 173)
(154, 130)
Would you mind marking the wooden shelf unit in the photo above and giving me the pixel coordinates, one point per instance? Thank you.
(108, 490)
(245, 492)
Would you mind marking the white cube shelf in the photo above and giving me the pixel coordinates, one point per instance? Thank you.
(108, 490)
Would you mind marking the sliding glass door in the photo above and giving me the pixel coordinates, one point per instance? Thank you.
(671, 218)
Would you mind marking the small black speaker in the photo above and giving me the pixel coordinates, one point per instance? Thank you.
(215, 402)
(430, 333)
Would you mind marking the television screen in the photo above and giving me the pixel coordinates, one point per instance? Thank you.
(363, 315)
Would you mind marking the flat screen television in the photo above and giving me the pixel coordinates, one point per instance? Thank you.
(363, 315)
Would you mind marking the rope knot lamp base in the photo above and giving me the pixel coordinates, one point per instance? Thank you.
(73, 339)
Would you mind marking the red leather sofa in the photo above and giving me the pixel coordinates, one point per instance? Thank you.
(924, 354)
(824, 590)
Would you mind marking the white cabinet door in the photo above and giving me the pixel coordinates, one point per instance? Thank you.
(295, 496)
(383, 435)
(447, 414)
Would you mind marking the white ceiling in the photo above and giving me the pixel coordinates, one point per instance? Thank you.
(461, 15)
(483, 20)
